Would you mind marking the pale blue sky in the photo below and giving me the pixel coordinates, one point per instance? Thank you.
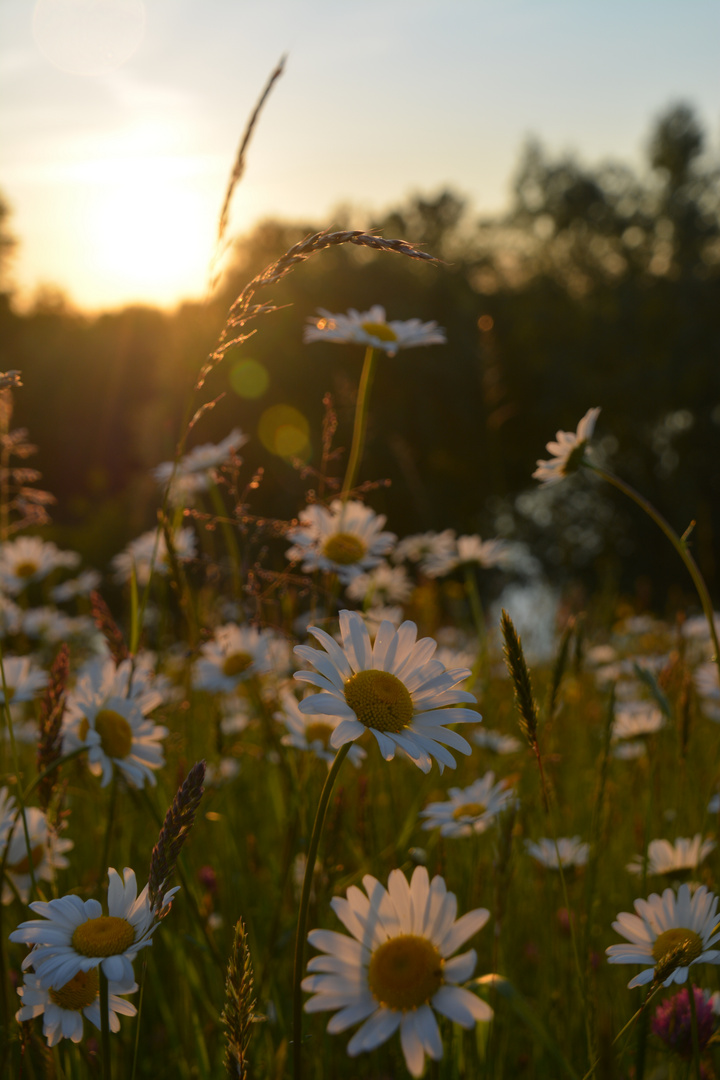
(115, 180)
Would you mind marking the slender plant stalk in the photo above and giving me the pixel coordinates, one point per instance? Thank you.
(361, 418)
(136, 1043)
(305, 903)
(105, 1026)
(478, 615)
(109, 825)
(678, 542)
(233, 547)
(694, 1028)
(16, 767)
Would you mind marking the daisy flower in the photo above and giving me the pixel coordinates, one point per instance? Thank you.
(115, 727)
(572, 852)
(63, 1009)
(568, 451)
(309, 732)
(82, 585)
(73, 935)
(345, 539)
(471, 810)
(29, 559)
(382, 586)
(47, 853)
(372, 328)
(196, 470)
(636, 718)
(139, 553)
(397, 969)
(496, 741)
(392, 687)
(235, 654)
(425, 548)
(661, 925)
(22, 679)
(468, 550)
(666, 858)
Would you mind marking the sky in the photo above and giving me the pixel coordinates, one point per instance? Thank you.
(120, 119)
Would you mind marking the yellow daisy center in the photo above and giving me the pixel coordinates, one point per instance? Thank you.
(22, 866)
(26, 569)
(405, 972)
(319, 732)
(469, 809)
(671, 939)
(379, 330)
(80, 992)
(344, 549)
(379, 700)
(236, 663)
(107, 935)
(115, 733)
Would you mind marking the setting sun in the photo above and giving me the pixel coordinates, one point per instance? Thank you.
(149, 231)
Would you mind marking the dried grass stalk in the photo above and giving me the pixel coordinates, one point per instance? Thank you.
(49, 747)
(243, 310)
(239, 166)
(108, 628)
(239, 1012)
(175, 830)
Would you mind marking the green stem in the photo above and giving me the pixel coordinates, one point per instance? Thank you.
(305, 903)
(229, 534)
(694, 1028)
(108, 828)
(361, 418)
(679, 543)
(16, 767)
(105, 1025)
(478, 615)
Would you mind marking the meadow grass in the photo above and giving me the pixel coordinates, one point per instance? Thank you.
(120, 716)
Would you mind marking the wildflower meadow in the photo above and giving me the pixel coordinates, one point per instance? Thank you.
(306, 797)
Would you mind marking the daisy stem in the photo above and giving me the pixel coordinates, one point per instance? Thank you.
(305, 903)
(478, 615)
(361, 418)
(694, 1028)
(108, 828)
(141, 995)
(678, 542)
(104, 1025)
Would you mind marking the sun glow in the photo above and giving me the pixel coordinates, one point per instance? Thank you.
(150, 230)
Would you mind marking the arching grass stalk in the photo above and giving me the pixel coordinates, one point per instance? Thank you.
(678, 542)
(104, 1025)
(305, 903)
(361, 417)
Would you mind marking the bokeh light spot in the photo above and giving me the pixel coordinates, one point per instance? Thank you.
(283, 430)
(249, 378)
(485, 323)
